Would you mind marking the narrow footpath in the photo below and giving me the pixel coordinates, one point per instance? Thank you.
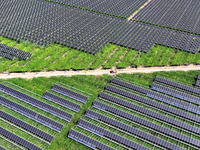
(98, 71)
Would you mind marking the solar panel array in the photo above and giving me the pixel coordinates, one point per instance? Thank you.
(123, 8)
(26, 126)
(157, 96)
(180, 14)
(49, 119)
(181, 95)
(143, 37)
(151, 125)
(178, 85)
(18, 140)
(37, 103)
(43, 22)
(31, 114)
(102, 132)
(119, 109)
(11, 53)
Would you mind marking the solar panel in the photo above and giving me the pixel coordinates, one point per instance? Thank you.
(180, 95)
(86, 30)
(31, 114)
(151, 113)
(94, 115)
(26, 126)
(178, 85)
(102, 132)
(130, 86)
(14, 51)
(61, 101)
(179, 14)
(154, 104)
(123, 8)
(69, 93)
(94, 144)
(5, 55)
(18, 140)
(33, 101)
(146, 123)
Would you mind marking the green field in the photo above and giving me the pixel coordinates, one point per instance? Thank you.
(93, 85)
(58, 57)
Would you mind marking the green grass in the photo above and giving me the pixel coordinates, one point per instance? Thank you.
(93, 85)
(59, 57)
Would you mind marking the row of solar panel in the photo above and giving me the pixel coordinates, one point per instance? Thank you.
(180, 95)
(176, 93)
(41, 105)
(130, 86)
(166, 99)
(70, 93)
(165, 90)
(10, 52)
(123, 8)
(154, 104)
(178, 85)
(103, 132)
(44, 27)
(6, 55)
(96, 116)
(18, 140)
(88, 141)
(149, 124)
(180, 14)
(153, 114)
(31, 114)
(61, 101)
(26, 126)
(174, 102)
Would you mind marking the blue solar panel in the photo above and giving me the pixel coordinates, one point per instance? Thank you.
(91, 114)
(154, 104)
(33, 101)
(18, 140)
(102, 132)
(31, 114)
(94, 144)
(26, 126)
(151, 113)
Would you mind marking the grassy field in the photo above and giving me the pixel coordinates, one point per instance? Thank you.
(93, 85)
(58, 57)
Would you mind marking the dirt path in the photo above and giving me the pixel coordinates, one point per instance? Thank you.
(97, 72)
(139, 9)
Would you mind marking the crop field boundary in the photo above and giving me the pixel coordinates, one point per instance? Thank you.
(98, 71)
